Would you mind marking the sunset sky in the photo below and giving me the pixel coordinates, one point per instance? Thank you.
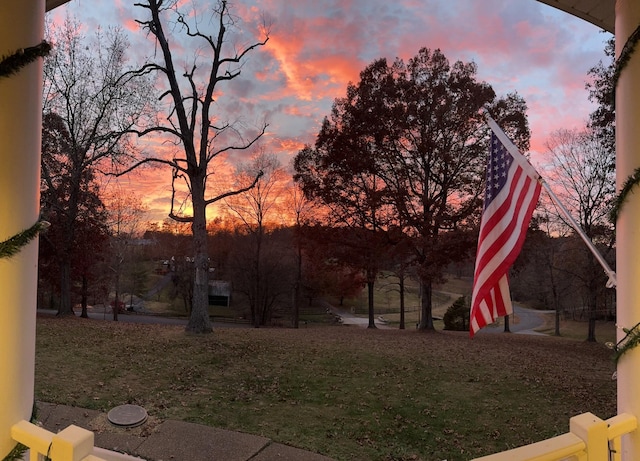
(317, 47)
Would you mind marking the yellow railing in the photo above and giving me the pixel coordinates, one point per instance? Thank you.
(70, 444)
(589, 439)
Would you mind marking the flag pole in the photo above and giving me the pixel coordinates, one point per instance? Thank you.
(612, 282)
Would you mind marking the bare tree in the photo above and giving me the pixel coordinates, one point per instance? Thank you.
(302, 209)
(190, 123)
(255, 207)
(583, 177)
(125, 219)
(87, 86)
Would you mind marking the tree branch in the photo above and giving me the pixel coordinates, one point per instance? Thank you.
(244, 147)
(236, 192)
(171, 163)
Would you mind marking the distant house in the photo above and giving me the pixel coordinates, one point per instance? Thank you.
(219, 293)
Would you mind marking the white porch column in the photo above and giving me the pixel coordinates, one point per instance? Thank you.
(628, 226)
(21, 26)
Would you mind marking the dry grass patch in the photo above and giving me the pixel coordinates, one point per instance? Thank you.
(349, 393)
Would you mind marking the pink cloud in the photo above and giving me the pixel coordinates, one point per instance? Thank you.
(317, 46)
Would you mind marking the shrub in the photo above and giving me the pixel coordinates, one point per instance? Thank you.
(457, 316)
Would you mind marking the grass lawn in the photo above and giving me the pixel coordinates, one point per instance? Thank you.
(347, 392)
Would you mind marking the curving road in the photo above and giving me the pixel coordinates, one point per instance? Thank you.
(148, 319)
(523, 321)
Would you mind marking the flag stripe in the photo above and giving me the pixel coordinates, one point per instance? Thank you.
(500, 308)
(498, 232)
(502, 245)
(512, 192)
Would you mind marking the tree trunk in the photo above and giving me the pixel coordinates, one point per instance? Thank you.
(593, 298)
(260, 295)
(116, 301)
(591, 334)
(65, 307)
(506, 324)
(426, 319)
(199, 321)
(83, 302)
(401, 289)
(370, 286)
(67, 249)
(556, 306)
(297, 296)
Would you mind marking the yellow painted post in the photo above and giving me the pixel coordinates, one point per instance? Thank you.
(594, 432)
(21, 25)
(71, 444)
(628, 226)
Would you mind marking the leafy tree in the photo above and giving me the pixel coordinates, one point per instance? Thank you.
(190, 97)
(77, 258)
(602, 92)
(342, 172)
(326, 270)
(456, 317)
(89, 104)
(437, 159)
(73, 246)
(413, 135)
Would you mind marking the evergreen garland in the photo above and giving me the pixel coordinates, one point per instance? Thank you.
(630, 340)
(628, 185)
(17, 453)
(633, 180)
(632, 336)
(625, 55)
(12, 246)
(10, 65)
(19, 450)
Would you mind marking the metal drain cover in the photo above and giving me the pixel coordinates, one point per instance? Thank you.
(127, 415)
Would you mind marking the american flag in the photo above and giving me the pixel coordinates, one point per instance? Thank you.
(511, 195)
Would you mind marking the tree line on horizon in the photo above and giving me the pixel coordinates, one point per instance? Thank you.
(393, 181)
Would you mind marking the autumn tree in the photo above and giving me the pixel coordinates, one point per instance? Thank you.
(328, 272)
(437, 157)
(190, 121)
(342, 171)
(87, 91)
(416, 134)
(63, 257)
